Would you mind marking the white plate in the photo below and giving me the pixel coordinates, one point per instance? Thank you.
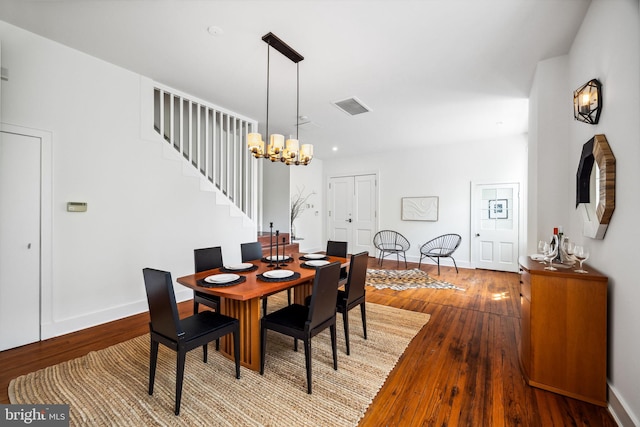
(315, 256)
(277, 258)
(242, 266)
(221, 278)
(317, 263)
(537, 257)
(277, 274)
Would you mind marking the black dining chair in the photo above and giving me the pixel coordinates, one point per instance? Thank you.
(181, 335)
(250, 252)
(304, 322)
(206, 259)
(335, 248)
(354, 293)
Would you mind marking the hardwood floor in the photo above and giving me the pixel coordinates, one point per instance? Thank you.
(461, 369)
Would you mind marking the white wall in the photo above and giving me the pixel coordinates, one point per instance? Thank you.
(309, 225)
(142, 211)
(607, 47)
(275, 203)
(445, 171)
(550, 113)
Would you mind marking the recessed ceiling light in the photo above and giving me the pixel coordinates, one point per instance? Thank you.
(335, 148)
(215, 31)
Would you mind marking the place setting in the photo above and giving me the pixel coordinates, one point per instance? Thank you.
(279, 275)
(313, 263)
(276, 258)
(221, 280)
(313, 257)
(244, 267)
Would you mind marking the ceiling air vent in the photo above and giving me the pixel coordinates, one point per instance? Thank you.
(352, 106)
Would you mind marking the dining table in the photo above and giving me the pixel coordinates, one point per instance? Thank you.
(241, 287)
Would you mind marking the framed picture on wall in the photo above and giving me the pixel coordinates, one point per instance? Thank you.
(498, 209)
(420, 208)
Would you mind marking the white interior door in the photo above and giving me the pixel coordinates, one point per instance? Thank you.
(19, 239)
(340, 208)
(352, 211)
(495, 226)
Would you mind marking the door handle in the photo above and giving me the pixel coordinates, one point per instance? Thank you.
(349, 220)
(477, 234)
(29, 246)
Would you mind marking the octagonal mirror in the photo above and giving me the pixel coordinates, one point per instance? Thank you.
(595, 186)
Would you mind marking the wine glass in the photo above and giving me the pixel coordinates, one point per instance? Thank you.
(543, 247)
(549, 256)
(571, 248)
(582, 254)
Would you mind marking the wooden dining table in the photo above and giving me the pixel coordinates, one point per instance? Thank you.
(242, 300)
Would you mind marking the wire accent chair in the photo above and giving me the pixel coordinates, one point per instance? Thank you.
(441, 247)
(389, 242)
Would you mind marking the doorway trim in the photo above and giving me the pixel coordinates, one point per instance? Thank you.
(376, 222)
(474, 209)
(46, 222)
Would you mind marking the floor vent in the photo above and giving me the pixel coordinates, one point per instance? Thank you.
(352, 106)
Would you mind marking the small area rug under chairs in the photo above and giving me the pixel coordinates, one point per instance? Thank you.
(399, 280)
(109, 387)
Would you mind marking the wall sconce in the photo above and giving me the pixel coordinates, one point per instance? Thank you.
(587, 102)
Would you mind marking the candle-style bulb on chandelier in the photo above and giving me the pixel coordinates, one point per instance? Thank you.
(291, 152)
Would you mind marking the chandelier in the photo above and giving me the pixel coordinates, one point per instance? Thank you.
(291, 152)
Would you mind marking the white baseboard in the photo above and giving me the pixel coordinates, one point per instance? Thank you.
(77, 323)
(619, 410)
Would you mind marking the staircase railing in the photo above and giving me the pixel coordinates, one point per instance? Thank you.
(213, 140)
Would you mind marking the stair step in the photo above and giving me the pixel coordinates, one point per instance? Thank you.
(288, 249)
(265, 239)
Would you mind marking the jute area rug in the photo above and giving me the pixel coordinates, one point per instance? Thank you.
(109, 387)
(405, 279)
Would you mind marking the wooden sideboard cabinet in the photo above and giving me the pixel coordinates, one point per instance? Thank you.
(563, 346)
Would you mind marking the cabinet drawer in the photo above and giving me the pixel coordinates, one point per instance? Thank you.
(525, 284)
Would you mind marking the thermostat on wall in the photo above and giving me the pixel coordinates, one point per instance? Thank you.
(76, 207)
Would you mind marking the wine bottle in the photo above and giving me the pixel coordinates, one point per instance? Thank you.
(559, 257)
(552, 243)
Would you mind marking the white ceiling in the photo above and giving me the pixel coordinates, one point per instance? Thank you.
(432, 71)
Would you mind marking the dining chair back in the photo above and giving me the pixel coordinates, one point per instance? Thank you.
(336, 248)
(354, 293)
(250, 251)
(163, 310)
(304, 322)
(181, 335)
(206, 259)
(323, 297)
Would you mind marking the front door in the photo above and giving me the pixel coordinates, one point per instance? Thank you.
(495, 220)
(352, 211)
(19, 239)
